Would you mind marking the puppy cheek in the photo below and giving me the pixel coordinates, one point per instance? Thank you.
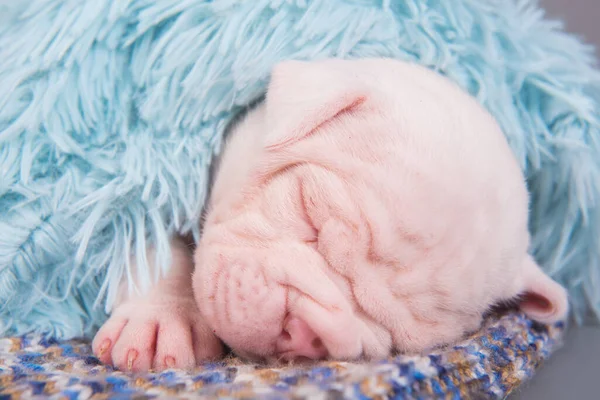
(239, 299)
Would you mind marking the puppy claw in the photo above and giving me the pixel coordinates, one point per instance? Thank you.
(104, 347)
(170, 362)
(131, 357)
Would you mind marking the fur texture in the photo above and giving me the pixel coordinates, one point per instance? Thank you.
(110, 113)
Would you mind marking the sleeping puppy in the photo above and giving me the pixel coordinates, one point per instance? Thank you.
(365, 207)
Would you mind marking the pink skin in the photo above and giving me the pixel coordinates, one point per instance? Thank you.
(366, 207)
(159, 329)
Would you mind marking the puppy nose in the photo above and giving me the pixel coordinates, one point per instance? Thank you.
(297, 340)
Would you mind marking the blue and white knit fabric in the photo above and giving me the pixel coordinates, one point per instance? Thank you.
(488, 365)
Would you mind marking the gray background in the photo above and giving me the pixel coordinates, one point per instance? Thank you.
(574, 371)
(581, 16)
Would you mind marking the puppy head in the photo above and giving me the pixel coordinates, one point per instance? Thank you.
(263, 280)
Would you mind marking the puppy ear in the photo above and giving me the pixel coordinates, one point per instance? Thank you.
(541, 298)
(303, 95)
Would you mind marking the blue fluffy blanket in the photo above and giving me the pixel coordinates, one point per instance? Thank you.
(110, 112)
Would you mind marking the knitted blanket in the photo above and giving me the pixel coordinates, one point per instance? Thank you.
(488, 365)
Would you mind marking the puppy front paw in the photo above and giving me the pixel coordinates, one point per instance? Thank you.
(156, 335)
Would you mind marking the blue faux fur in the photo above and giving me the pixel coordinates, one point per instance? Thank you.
(110, 111)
